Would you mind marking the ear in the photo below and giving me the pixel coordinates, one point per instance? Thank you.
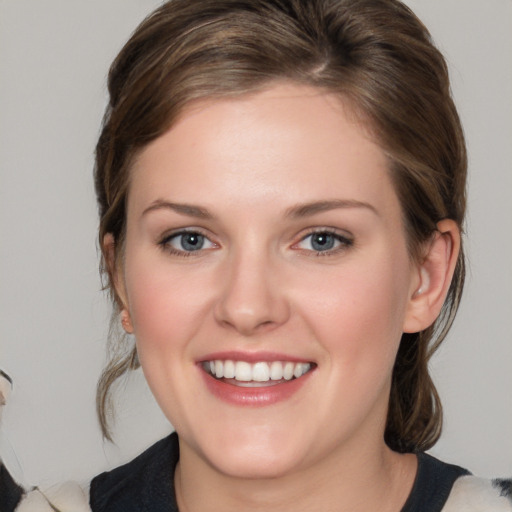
(116, 280)
(433, 276)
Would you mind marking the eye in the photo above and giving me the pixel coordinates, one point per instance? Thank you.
(324, 242)
(186, 242)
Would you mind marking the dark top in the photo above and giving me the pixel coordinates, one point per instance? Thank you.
(146, 484)
(10, 492)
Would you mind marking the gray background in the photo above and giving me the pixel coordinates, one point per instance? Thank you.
(54, 55)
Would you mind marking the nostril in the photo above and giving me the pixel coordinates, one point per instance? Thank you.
(251, 301)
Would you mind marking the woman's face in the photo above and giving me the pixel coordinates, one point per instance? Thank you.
(265, 240)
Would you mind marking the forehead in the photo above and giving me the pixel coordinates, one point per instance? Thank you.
(283, 141)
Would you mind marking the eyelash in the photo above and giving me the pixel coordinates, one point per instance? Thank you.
(165, 243)
(343, 241)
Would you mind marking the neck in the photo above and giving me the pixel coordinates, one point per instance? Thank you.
(377, 479)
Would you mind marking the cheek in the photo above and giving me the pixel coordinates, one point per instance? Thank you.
(166, 305)
(358, 314)
(167, 309)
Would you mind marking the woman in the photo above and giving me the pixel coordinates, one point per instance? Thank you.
(281, 188)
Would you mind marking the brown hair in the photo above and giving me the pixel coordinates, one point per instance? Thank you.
(374, 53)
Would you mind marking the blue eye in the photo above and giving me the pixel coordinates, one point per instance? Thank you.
(324, 242)
(187, 241)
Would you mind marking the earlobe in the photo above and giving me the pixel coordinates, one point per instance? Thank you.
(126, 321)
(435, 273)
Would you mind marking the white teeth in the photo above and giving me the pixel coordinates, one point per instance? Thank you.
(288, 371)
(243, 371)
(260, 371)
(219, 369)
(229, 369)
(276, 370)
(300, 369)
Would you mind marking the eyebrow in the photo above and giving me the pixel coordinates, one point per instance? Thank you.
(297, 211)
(308, 209)
(182, 208)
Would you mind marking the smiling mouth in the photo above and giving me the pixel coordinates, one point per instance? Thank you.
(258, 374)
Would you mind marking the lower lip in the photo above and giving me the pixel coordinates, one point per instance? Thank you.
(257, 396)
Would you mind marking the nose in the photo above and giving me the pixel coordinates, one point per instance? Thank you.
(252, 300)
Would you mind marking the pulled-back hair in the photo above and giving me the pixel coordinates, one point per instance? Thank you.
(374, 54)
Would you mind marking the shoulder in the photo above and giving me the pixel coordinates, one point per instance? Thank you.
(433, 484)
(66, 497)
(145, 483)
(10, 492)
(473, 494)
(442, 487)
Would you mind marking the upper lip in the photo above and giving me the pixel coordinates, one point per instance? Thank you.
(252, 357)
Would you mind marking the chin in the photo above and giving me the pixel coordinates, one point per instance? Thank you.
(259, 455)
(256, 466)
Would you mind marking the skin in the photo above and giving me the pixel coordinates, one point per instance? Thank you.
(259, 285)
